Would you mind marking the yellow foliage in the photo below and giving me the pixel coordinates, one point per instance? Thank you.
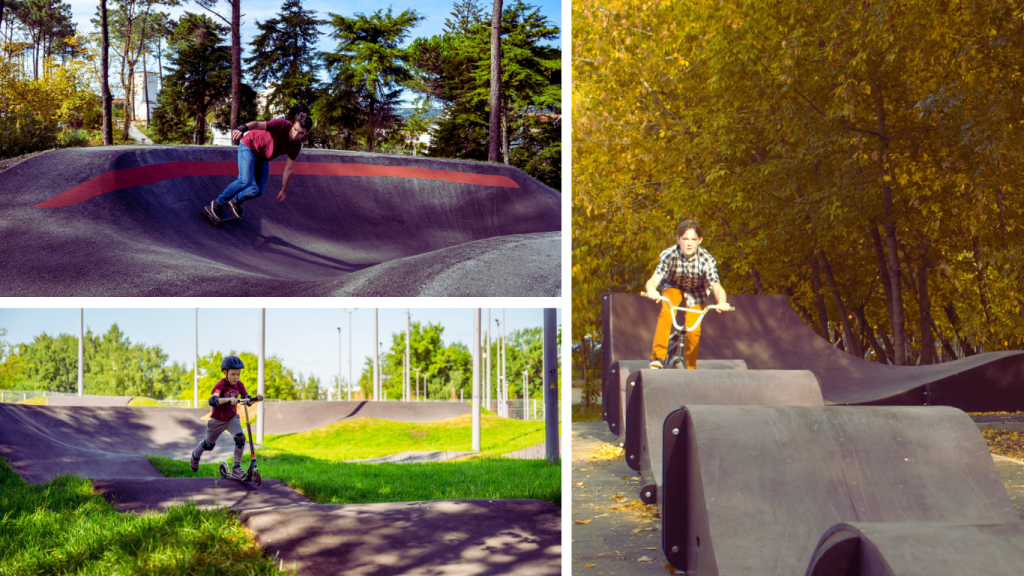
(60, 93)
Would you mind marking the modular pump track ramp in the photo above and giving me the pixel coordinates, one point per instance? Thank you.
(127, 221)
(750, 490)
(656, 393)
(615, 397)
(768, 334)
(110, 444)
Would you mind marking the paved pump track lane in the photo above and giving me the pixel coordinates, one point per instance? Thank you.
(768, 334)
(110, 444)
(126, 221)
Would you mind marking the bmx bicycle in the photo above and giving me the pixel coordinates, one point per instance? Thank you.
(675, 357)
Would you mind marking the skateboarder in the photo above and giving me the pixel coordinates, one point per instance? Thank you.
(261, 143)
(687, 270)
(225, 415)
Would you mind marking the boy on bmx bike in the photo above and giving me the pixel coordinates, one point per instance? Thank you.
(687, 270)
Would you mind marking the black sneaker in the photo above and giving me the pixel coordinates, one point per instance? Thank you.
(215, 209)
(236, 207)
(195, 463)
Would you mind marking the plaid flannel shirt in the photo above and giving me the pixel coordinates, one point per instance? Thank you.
(693, 276)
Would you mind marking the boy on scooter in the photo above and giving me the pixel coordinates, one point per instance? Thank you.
(225, 415)
(687, 270)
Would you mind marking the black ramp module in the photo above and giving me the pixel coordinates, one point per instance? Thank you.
(127, 221)
(300, 416)
(932, 548)
(749, 490)
(616, 397)
(660, 392)
(768, 334)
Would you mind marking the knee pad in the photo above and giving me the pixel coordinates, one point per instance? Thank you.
(208, 445)
(239, 440)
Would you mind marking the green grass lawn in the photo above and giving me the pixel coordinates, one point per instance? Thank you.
(63, 527)
(359, 438)
(311, 462)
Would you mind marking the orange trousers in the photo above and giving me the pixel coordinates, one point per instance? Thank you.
(661, 333)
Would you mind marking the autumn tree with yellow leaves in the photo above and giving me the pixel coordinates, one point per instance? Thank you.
(863, 159)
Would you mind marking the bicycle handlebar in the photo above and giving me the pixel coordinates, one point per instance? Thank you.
(725, 308)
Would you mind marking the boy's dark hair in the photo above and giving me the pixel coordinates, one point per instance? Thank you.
(303, 119)
(689, 225)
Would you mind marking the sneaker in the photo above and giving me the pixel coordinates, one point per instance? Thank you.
(238, 474)
(236, 207)
(215, 209)
(656, 364)
(195, 463)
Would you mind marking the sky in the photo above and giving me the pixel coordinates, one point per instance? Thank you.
(434, 11)
(305, 338)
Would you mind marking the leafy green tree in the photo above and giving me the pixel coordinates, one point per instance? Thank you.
(279, 382)
(51, 363)
(367, 71)
(12, 366)
(443, 368)
(199, 79)
(454, 69)
(284, 55)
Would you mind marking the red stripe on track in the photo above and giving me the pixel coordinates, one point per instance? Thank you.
(143, 175)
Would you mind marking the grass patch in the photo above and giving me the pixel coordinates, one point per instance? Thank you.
(140, 401)
(481, 477)
(63, 527)
(38, 401)
(359, 438)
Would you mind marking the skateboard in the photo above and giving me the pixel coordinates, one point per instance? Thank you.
(213, 219)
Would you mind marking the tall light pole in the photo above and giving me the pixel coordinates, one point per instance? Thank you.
(476, 380)
(339, 363)
(376, 360)
(195, 374)
(350, 351)
(417, 381)
(81, 351)
(261, 376)
(524, 390)
(550, 383)
(406, 372)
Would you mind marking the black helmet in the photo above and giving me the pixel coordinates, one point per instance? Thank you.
(231, 363)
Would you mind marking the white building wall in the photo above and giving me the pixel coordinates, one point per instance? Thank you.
(141, 106)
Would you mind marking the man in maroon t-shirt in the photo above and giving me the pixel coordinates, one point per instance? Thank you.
(261, 143)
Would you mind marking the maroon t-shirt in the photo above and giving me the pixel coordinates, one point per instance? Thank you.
(274, 141)
(226, 412)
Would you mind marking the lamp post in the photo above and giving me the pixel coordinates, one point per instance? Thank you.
(339, 362)
(350, 351)
(417, 382)
(525, 388)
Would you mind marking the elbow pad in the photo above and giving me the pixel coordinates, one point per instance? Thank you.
(214, 401)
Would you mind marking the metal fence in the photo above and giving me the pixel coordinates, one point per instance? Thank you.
(520, 409)
(12, 396)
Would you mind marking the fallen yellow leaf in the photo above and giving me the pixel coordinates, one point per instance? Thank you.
(650, 548)
(643, 559)
(590, 566)
(587, 521)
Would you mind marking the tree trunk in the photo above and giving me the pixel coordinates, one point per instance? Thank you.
(928, 352)
(236, 62)
(954, 320)
(504, 132)
(108, 128)
(897, 319)
(946, 345)
(979, 267)
(869, 335)
(852, 344)
(493, 140)
(819, 300)
(1, 14)
(145, 88)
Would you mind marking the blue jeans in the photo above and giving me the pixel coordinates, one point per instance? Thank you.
(252, 178)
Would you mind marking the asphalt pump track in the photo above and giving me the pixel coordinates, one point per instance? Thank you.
(110, 444)
(127, 221)
(768, 334)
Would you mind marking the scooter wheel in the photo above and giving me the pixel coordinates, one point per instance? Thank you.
(256, 478)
